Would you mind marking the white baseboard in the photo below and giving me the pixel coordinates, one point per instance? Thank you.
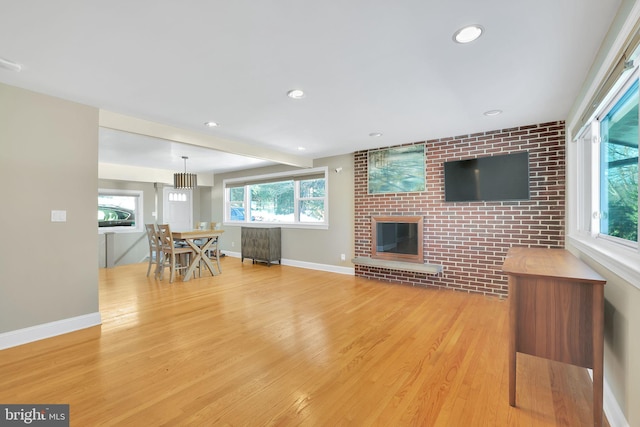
(612, 410)
(231, 254)
(48, 330)
(309, 265)
(321, 267)
(610, 405)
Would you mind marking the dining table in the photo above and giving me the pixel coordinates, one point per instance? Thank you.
(201, 241)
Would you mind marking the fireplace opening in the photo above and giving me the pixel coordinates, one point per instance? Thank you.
(397, 238)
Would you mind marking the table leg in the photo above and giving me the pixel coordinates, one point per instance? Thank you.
(513, 335)
(197, 256)
(598, 354)
(201, 255)
(215, 243)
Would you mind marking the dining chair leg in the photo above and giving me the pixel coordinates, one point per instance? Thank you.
(172, 268)
(150, 262)
(159, 273)
(156, 263)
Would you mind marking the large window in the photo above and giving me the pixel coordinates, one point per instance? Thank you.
(602, 162)
(119, 211)
(293, 198)
(619, 167)
(608, 167)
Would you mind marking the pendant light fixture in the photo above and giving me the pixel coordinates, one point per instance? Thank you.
(185, 181)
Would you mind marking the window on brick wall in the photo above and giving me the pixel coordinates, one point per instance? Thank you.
(608, 167)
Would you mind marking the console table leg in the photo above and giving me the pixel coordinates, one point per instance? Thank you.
(513, 286)
(598, 355)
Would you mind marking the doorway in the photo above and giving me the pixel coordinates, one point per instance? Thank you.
(177, 208)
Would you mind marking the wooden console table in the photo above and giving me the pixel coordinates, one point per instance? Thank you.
(556, 311)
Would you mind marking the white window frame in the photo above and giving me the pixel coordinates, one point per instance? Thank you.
(298, 199)
(139, 227)
(280, 176)
(626, 82)
(617, 255)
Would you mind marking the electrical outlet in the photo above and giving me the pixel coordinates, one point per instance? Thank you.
(233, 244)
(343, 257)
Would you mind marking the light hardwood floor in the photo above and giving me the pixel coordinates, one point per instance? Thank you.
(286, 346)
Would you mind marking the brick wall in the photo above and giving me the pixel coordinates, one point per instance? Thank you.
(470, 239)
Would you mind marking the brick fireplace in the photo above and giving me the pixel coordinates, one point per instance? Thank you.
(397, 238)
(470, 239)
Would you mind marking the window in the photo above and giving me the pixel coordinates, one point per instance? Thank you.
(608, 168)
(236, 203)
(619, 167)
(602, 165)
(120, 211)
(272, 202)
(312, 200)
(296, 199)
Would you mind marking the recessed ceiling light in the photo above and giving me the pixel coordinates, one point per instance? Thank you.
(295, 94)
(493, 113)
(10, 65)
(301, 148)
(468, 34)
(375, 134)
(211, 124)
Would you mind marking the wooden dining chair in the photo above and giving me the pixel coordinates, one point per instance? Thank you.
(176, 258)
(155, 252)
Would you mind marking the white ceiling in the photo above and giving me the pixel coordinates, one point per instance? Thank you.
(124, 148)
(366, 66)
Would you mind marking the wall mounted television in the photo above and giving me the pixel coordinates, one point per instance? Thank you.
(494, 178)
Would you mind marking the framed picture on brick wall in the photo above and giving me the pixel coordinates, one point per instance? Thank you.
(397, 169)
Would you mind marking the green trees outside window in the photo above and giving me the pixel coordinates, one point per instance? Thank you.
(278, 199)
(619, 168)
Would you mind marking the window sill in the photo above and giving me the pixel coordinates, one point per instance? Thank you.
(322, 226)
(116, 230)
(620, 260)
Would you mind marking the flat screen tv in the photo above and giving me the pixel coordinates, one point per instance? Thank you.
(494, 178)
